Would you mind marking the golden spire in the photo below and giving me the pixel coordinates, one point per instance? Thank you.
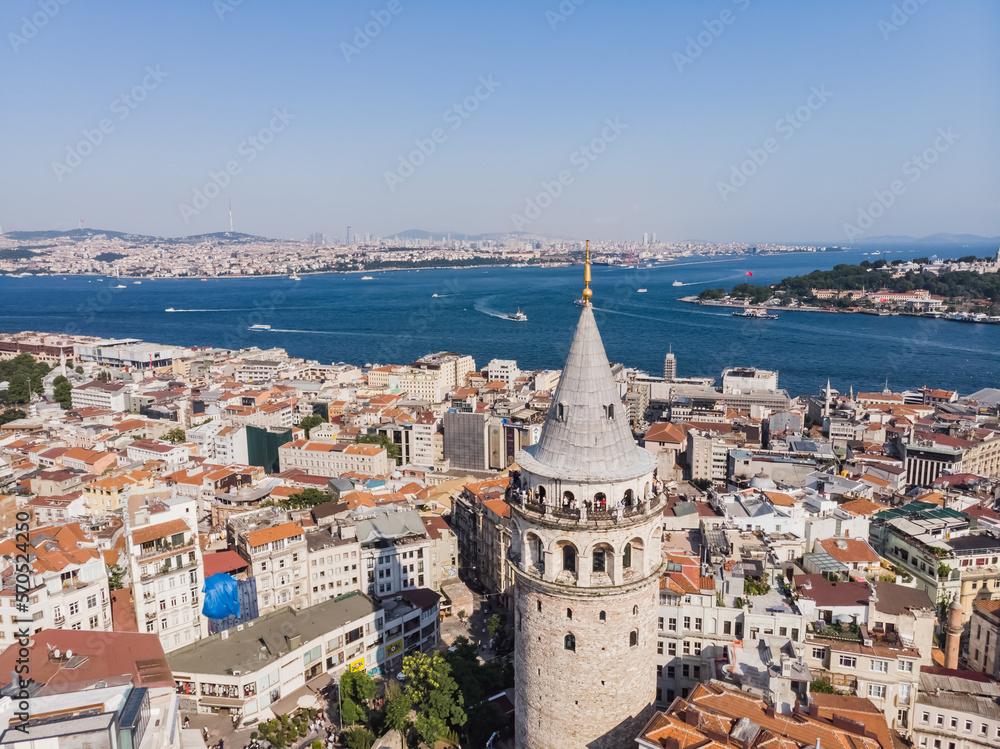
(587, 293)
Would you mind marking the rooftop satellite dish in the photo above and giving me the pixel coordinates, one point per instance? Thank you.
(69, 653)
(55, 653)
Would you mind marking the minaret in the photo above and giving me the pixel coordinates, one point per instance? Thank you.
(953, 634)
(585, 546)
(826, 401)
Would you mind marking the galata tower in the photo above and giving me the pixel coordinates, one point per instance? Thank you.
(585, 545)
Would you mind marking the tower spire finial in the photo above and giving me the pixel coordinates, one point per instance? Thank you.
(587, 293)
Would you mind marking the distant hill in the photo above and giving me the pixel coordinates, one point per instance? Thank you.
(934, 240)
(82, 234)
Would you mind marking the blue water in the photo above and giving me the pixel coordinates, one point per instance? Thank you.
(394, 319)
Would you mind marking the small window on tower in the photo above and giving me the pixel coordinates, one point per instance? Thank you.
(609, 410)
(633, 638)
(569, 642)
(603, 617)
(560, 411)
(569, 613)
(539, 605)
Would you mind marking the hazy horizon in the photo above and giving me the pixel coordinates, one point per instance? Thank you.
(727, 121)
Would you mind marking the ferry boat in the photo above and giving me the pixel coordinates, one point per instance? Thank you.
(367, 278)
(518, 316)
(434, 296)
(640, 291)
(137, 283)
(120, 286)
(757, 314)
(259, 327)
(580, 302)
(169, 309)
(676, 283)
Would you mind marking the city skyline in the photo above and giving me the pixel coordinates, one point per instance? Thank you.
(717, 122)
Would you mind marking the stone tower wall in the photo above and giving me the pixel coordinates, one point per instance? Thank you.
(599, 695)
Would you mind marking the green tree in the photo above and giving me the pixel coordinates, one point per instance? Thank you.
(357, 685)
(350, 712)
(311, 422)
(175, 436)
(309, 497)
(359, 738)
(494, 624)
(397, 708)
(62, 391)
(822, 686)
(19, 388)
(434, 691)
(11, 414)
(115, 575)
(382, 440)
(79, 370)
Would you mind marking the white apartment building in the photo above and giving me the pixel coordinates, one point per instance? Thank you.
(452, 367)
(952, 712)
(165, 565)
(278, 557)
(67, 588)
(708, 456)
(108, 396)
(502, 370)
(394, 551)
(334, 566)
(326, 459)
(258, 370)
(422, 433)
(174, 456)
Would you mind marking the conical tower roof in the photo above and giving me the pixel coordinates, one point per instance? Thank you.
(582, 440)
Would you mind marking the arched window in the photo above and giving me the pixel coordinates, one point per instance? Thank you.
(569, 558)
(539, 605)
(569, 642)
(629, 498)
(635, 611)
(569, 613)
(600, 501)
(568, 498)
(599, 563)
(633, 638)
(603, 617)
(627, 556)
(541, 494)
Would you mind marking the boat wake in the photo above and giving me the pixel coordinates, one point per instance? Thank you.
(714, 280)
(480, 306)
(333, 332)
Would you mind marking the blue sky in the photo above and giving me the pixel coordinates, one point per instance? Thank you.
(346, 150)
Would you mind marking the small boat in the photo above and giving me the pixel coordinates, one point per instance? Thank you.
(294, 277)
(757, 314)
(580, 302)
(169, 309)
(676, 283)
(137, 283)
(640, 291)
(259, 327)
(367, 278)
(434, 296)
(204, 279)
(518, 316)
(120, 286)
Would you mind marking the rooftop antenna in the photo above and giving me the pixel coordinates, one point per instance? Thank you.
(230, 215)
(587, 293)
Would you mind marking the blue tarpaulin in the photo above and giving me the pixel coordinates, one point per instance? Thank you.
(221, 599)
